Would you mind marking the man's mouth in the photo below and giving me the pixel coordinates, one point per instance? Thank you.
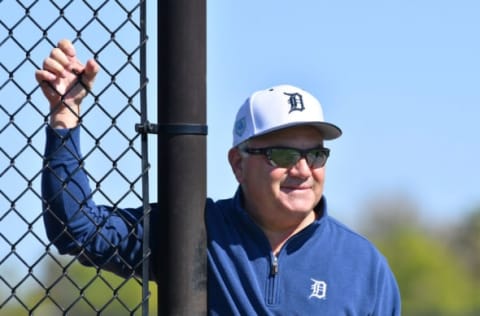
(295, 188)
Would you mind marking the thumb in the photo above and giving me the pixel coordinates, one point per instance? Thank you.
(89, 73)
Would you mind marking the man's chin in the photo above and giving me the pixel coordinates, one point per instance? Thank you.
(299, 206)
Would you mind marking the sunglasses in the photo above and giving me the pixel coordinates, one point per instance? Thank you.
(287, 157)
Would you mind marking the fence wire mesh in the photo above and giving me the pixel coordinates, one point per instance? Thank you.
(34, 278)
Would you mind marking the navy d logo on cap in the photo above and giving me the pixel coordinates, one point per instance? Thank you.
(296, 101)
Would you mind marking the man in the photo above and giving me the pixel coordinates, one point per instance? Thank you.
(272, 248)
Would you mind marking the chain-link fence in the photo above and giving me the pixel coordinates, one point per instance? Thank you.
(34, 279)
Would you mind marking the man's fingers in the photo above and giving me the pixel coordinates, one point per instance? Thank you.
(65, 55)
(61, 72)
(90, 72)
(67, 47)
(55, 67)
(59, 56)
(44, 75)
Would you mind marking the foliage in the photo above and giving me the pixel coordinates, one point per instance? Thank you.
(466, 243)
(433, 280)
(67, 288)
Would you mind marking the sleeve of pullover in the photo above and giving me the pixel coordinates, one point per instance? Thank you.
(102, 236)
(388, 294)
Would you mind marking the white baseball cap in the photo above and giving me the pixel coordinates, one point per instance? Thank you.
(280, 107)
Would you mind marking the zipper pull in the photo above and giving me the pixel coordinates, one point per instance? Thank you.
(274, 265)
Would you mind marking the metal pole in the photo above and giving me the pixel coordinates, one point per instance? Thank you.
(145, 163)
(180, 263)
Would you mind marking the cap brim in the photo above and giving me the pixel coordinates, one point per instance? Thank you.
(329, 130)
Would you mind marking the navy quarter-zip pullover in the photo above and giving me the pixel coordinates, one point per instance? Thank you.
(325, 269)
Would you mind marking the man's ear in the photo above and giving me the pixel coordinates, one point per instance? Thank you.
(236, 163)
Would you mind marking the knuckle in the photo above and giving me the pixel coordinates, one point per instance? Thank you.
(55, 52)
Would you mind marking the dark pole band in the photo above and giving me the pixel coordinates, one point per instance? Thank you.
(172, 129)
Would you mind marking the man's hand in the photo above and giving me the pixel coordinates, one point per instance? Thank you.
(65, 82)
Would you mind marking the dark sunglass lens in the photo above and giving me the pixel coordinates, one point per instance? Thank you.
(284, 157)
(316, 158)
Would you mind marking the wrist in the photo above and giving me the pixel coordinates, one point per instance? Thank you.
(64, 116)
(63, 121)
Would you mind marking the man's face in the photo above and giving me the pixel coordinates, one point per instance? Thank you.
(276, 197)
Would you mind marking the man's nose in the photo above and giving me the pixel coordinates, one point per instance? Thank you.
(301, 168)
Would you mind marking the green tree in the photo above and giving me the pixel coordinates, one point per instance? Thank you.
(432, 280)
(64, 287)
(466, 242)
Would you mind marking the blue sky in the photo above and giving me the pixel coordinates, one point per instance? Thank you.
(401, 78)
